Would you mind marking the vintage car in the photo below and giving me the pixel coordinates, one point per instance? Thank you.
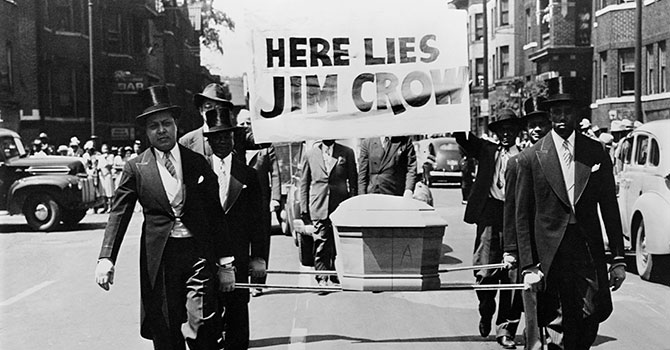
(48, 190)
(642, 171)
(444, 155)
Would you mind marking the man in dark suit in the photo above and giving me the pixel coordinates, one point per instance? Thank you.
(387, 165)
(561, 182)
(328, 178)
(214, 96)
(241, 206)
(264, 161)
(485, 208)
(179, 243)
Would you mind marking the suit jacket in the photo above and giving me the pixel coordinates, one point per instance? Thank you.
(322, 189)
(266, 166)
(241, 215)
(543, 208)
(141, 181)
(195, 141)
(485, 153)
(387, 171)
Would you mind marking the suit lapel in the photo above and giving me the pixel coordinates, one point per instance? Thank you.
(320, 159)
(582, 166)
(235, 186)
(389, 152)
(336, 152)
(548, 158)
(149, 171)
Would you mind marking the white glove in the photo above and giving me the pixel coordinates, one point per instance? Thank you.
(532, 279)
(509, 260)
(104, 273)
(274, 205)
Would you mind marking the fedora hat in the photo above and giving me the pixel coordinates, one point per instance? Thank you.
(565, 89)
(531, 108)
(215, 92)
(219, 120)
(505, 116)
(156, 99)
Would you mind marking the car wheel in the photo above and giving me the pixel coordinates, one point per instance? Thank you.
(72, 217)
(306, 249)
(42, 212)
(655, 268)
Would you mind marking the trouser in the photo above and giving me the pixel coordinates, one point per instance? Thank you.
(265, 254)
(187, 296)
(324, 247)
(235, 319)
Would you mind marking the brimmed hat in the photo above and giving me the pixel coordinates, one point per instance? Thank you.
(74, 141)
(156, 99)
(565, 89)
(214, 92)
(505, 116)
(62, 148)
(531, 108)
(219, 120)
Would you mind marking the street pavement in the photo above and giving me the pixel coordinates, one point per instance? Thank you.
(49, 300)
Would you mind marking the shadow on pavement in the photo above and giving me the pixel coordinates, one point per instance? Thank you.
(13, 228)
(260, 343)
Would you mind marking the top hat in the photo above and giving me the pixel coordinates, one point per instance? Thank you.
(156, 99)
(505, 116)
(565, 89)
(214, 92)
(531, 108)
(219, 120)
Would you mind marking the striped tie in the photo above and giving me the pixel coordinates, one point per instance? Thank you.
(567, 155)
(169, 166)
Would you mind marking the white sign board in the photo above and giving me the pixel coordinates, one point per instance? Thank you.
(346, 69)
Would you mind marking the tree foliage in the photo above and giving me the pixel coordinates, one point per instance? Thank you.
(212, 22)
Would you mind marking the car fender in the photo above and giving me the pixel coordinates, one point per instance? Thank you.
(56, 184)
(654, 210)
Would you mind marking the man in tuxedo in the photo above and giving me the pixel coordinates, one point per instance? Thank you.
(485, 208)
(328, 178)
(387, 165)
(264, 161)
(241, 212)
(179, 243)
(561, 182)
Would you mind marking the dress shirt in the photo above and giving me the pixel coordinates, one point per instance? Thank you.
(327, 155)
(568, 173)
(172, 186)
(502, 157)
(218, 165)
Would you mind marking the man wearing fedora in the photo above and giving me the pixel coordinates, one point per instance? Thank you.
(241, 212)
(214, 96)
(561, 182)
(485, 209)
(180, 245)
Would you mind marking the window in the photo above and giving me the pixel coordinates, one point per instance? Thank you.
(626, 152)
(114, 42)
(529, 27)
(62, 93)
(504, 12)
(504, 61)
(641, 149)
(545, 18)
(654, 154)
(627, 71)
(479, 71)
(662, 71)
(604, 86)
(479, 26)
(651, 87)
(6, 77)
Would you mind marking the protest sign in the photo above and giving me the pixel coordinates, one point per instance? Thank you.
(345, 69)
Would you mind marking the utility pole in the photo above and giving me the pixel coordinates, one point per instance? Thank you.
(485, 91)
(90, 65)
(638, 61)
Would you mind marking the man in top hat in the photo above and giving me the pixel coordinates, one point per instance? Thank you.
(180, 244)
(485, 209)
(240, 205)
(561, 182)
(213, 97)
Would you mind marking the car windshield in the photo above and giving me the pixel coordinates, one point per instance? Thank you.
(12, 147)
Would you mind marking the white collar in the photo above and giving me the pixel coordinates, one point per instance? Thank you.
(174, 152)
(558, 140)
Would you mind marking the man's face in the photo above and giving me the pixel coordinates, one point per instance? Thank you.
(563, 116)
(222, 143)
(537, 127)
(507, 134)
(244, 119)
(162, 131)
(209, 105)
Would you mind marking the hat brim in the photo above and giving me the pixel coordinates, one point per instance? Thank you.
(214, 130)
(525, 118)
(198, 98)
(499, 123)
(548, 103)
(175, 110)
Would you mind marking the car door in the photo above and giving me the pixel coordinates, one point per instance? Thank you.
(636, 173)
(623, 157)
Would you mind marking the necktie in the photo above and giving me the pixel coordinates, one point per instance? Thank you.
(327, 156)
(569, 174)
(567, 155)
(385, 142)
(169, 166)
(503, 157)
(223, 183)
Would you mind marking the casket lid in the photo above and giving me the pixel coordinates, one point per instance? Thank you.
(380, 210)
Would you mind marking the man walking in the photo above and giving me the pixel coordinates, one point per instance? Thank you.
(179, 243)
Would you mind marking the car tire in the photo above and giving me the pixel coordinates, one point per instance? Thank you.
(650, 267)
(306, 249)
(42, 212)
(73, 217)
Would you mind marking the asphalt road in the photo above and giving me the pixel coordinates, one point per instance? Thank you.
(49, 300)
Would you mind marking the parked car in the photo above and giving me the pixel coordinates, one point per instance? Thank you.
(48, 190)
(445, 155)
(642, 171)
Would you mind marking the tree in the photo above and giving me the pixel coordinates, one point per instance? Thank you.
(212, 21)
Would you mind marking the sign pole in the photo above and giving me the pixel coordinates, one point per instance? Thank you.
(90, 65)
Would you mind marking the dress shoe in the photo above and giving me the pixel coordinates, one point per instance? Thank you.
(256, 292)
(323, 283)
(484, 327)
(506, 342)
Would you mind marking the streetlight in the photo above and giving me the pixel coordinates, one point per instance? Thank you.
(90, 64)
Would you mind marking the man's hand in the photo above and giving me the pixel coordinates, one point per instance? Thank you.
(407, 194)
(104, 273)
(532, 279)
(509, 260)
(257, 268)
(226, 277)
(617, 276)
(274, 205)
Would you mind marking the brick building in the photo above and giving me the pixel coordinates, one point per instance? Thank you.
(614, 61)
(136, 43)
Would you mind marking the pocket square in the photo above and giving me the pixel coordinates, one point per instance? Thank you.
(201, 179)
(595, 168)
(244, 186)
